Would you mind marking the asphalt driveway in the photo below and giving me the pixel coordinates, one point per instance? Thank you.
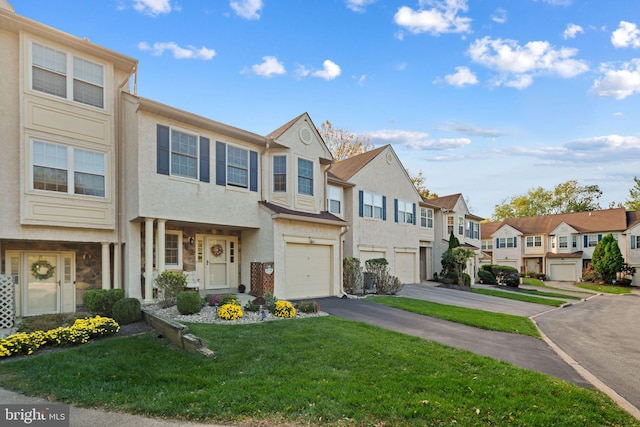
(527, 352)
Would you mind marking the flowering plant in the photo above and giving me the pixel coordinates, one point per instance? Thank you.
(284, 309)
(79, 333)
(230, 312)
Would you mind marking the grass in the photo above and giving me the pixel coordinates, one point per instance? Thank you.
(320, 371)
(518, 296)
(544, 294)
(539, 283)
(607, 289)
(468, 316)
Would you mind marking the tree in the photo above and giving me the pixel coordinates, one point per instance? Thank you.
(607, 259)
(343, 144)
(420, 183)
(633, 204)
(456, 259)
(566, 197)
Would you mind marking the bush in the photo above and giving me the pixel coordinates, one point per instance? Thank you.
(511, 280)
(467, 279)
(589, 275)
(228, 299)
(383, 282)
(189, 303)
(100, 301)
(252, 307)
(308, 307)
(127, 311)
(45, 322)
(284, 309)
(352, 277)
(169, 286)
(212, 299)
(487, 277)
(270, 302)
(230, 312)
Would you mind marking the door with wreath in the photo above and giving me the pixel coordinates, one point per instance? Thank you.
(220, 266)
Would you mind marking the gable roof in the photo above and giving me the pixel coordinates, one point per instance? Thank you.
(345, 169)
(445, 202)
(633, 218)
(282, 129)
(583, 222)
(273, 136)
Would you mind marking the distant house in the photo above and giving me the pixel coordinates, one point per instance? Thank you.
(560, 246)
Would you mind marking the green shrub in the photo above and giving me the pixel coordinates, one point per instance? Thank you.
(169, 286)
(467, 279)
(352, 276)
(486, 277)
(270, 302)
(251, 306)
(189, 302)
(308, 307)
(383, 282)
(228, 299)
(100, 301)
(127, 311)
(45, 322)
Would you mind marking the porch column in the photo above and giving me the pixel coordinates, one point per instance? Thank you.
(148, 260)
(106, 267)
(161, 245)
(117, 267)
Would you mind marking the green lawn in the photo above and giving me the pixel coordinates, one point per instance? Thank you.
(518, 296)
(544, 294)
(539, 283)
(468, 316)
(318, 371)
(607, 289)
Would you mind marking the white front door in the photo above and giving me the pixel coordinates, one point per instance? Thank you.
(42, 287)
(217, 261)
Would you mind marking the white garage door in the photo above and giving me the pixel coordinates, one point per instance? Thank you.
(366, 255)
(405, 268)
(563, 272)
(308, 271)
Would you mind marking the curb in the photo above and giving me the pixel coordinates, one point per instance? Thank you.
(583, 372)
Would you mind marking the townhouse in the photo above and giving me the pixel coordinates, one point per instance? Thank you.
(560, 246)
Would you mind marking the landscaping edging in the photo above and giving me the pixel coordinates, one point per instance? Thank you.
(177, 333)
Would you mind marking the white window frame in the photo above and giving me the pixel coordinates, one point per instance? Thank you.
(405, 212)
(461, 226)
(450, 224)
(178, 265)
(563, 242)
(172, 152)
(233, 166)
(574, 241)
(72, 167)
(534, 241)
(274, 174)
(592, 240)
(311, 178)
(502, 242)
(637, 242)
(69, 74)
(372, 201)
(426, 218)
(334, 195)
(486, 245)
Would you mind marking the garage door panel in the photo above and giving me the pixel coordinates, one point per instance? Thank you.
(563, 272)
(405, 267)
(308, 271)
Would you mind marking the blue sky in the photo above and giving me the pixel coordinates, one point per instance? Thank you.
(486, 97)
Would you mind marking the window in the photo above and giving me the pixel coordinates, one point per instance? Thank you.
(237, 166)
(635, 242)
(563, 242)
(574, 241)
(305, 177)
(49, 68)
(510, 243)
(184, 154)
(372, 205)
(460, 225)
(486, 245)
(173, 248)
(592, 240)
(405, 212)
(334, 199)
(426, 218)
(279, 174)
(449, 224)
(534, 241)
(506, 242)
(473, 230)
(68, 170)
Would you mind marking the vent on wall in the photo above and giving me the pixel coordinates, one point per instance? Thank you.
(305, 135)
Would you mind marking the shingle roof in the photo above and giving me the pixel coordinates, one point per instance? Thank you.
(346, 168)
(282, 129)
(584, 222)
(445, 202)
(324, 215)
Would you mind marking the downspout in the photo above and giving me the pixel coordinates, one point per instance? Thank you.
(266, 151)
(341, 251)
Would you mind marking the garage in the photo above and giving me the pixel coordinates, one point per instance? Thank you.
(308, 271)
(367, 255)
(405, 267)
(562, 272)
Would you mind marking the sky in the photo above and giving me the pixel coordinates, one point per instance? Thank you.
(488, 98)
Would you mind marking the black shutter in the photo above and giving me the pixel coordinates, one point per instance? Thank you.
(162, 150)
(204, 160)
(253, 171)
(221, 163)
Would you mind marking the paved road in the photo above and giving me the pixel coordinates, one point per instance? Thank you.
(527, 352)
(602, 335)
(471, 300)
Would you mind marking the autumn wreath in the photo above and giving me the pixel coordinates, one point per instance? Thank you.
(216, 250)
(42, 269)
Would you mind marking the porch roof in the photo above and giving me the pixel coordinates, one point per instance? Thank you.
(285, 213)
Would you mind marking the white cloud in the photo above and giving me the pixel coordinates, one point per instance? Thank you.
(627, 35)
(618, 114)
(359, 5)
(470, 130)
(518, 65)
(463, 76)
(499, 16)
(330, 70)
(269, 67)
(572, 31)
(557, 2)
(361, 79)
(248, 9)
(152, 7)
(618, 83)
(442, 18)
(190, 52)
(415, 140)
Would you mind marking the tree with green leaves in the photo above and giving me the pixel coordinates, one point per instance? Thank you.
(607, 259)
(566, 197)
(633, 203)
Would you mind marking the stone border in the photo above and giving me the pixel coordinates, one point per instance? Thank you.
(177, 333)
